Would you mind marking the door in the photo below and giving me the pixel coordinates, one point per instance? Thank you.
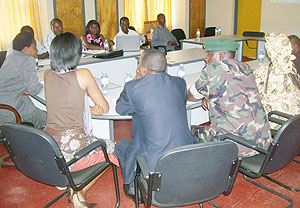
(71, 14)
(249, 18)
(197, 17)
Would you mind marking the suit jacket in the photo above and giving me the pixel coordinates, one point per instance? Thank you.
(17, 75)
(157, 104)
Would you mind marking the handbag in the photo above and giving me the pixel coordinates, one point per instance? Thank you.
(253, 34)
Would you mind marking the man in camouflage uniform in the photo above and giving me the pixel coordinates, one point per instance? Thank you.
(229, 91)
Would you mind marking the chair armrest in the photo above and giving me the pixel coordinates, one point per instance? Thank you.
(278, 113)
(27, 124)
(161, 46)
(276, 120)
(194, 105)
(142, 163)
(240, 140)
(86, 150)
(273, 132)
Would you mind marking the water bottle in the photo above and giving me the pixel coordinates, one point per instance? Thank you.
(104, 82)
(181, 72)
(127, 77)
(261, 56)
(219, 31)
(106, 46)
(198, 34)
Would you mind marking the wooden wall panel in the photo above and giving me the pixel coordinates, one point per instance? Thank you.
(71, 14)
(249, 18)
(108, 17)
(197, 17)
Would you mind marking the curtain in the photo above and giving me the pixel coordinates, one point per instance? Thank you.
(139, 11)
(16, 13)
(135, 10)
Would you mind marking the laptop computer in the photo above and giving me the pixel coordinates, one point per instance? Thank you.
(128, 42)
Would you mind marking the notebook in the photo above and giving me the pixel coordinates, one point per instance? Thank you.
(128, 42)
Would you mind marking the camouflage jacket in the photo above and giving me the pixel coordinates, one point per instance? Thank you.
(234, 104)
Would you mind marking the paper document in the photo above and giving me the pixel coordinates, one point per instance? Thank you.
(94, 52)
(44, 62)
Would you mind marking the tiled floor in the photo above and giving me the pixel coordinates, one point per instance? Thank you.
(19, 191)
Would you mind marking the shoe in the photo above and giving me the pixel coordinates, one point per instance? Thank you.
(130, 193)
(73, 198)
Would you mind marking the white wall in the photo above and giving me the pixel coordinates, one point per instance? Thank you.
(46, 15)
(220, 13)
(180, 15)
(280, 17)
(89, 6)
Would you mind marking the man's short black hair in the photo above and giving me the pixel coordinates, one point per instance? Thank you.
(22, 40)
(27, 28)
(55, 20)
(160, 14)
(123, 19)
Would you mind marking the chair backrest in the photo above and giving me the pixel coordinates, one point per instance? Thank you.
(35, 153)
(209, 31)
(285, 146)
(195, 173)
(2, 57)
(179, 34)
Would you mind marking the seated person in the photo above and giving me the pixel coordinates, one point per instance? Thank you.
(159, 120)
(295, 41)
(65, 121)
(162, 36)
(124, 25)
(56, 28)
(229, 88)
(41, 50)
(19, 79)
(93, 40)
(279, 83)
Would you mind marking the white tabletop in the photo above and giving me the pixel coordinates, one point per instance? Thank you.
(231, 37)
(185, 56)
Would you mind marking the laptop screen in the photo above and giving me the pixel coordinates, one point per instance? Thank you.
(128, 42)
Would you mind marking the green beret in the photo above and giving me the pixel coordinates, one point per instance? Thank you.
(220, 44)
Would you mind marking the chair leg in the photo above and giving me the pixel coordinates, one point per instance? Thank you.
(116, 186)
(2, 162)
(136, 191)
(282, 184)
(297, 161)
(56, 199)
(214, 204)
(271, 191)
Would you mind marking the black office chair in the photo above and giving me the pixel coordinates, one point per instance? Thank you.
(190, 174)
(2, 138)
(131, 28)
(179, 35)
(2, 57)
(283, 149)
(209, 31)
(37, 155)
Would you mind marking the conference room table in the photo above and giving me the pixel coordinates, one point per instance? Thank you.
(194, 43)
(192, 59)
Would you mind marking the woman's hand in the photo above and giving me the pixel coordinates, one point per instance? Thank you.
(96, 110)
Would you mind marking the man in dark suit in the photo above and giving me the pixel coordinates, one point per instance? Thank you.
(157, 103)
